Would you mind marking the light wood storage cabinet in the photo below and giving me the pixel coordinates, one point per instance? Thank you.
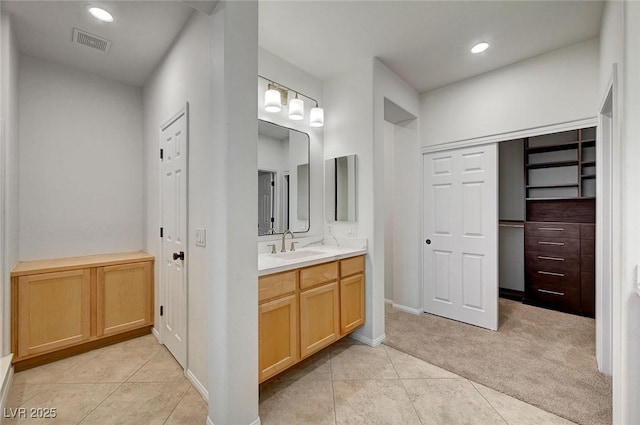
(303, 311)
(68, 305)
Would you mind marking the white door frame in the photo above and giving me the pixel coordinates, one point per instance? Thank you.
(184, 111)
(608, 232)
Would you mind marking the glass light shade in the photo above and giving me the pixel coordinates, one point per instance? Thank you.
(296, 109)
(316, 117)
(272, 101)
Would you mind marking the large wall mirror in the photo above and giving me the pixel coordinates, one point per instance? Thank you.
(340, 188)
(283, 179)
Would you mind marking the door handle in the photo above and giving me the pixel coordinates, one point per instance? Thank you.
(178, 256)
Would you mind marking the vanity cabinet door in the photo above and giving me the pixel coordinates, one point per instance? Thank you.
(351, 303)
(319, 318)
(278, 335)
(124, 297)
(53, 311)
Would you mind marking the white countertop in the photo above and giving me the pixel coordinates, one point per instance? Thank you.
(303, 257)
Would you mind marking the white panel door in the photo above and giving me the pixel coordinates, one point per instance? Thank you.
(461, 235)
(173, 279)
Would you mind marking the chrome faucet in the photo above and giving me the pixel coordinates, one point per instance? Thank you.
(284, 235)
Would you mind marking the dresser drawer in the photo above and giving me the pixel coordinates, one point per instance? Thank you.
(552, 230)
(316, 275)
(563, 299)
(566, 279)
(552, 246)
(276, 285)
(588, 292)
(550, 263)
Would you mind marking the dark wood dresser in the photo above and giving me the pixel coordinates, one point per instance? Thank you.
(560, 221)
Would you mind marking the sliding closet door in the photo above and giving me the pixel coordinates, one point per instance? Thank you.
(461, 235)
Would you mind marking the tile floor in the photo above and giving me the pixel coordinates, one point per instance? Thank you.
(138, 382)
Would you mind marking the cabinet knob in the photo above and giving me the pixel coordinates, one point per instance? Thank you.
(178, 256)
(428, 241)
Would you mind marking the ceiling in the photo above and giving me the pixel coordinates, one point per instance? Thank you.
(425, 42)
(141, 34)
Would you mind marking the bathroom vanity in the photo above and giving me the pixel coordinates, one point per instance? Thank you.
(307, 300)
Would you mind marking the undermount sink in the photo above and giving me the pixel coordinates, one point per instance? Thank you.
(293, 255)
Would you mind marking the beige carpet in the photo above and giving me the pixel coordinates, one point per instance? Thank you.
(543, 357)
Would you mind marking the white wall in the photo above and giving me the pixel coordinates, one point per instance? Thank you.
(9, 174)
(404, 242)
(183, 76)
(349, 130)
(80, 163)
(283, 72)
(557, 87)
(233, 190)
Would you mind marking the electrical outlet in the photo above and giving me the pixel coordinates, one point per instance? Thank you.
(201, 237)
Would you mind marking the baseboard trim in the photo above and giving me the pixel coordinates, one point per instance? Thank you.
(511, 294)
(256, 422)
(155, 333)
(411, 310)
(6, 376)
(371, 342)
(198, 386)
(388, 301)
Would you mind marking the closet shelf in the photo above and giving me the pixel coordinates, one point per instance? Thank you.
(561, 198)
(588, 176)
(552, 148)
(551, 186)
(552, 164)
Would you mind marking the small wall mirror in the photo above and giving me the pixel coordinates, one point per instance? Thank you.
(340, 188)
(283, 179)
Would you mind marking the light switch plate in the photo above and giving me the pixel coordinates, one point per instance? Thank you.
(201, 237)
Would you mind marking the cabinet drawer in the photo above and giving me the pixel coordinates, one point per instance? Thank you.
(276, 285)
(567, 279)
(539, 261)
(552, 230)
(588, 231)
(588, 293)
(564, 299)
(352, 266)
(316, 275)
(553, 246)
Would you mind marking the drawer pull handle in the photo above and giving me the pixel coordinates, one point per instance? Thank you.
(542, 257)
(545, 291)
(552, 229)
(551, 243)
(552, 274)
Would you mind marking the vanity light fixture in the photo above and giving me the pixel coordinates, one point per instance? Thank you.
(480, 47)
(316, 116)
(277, 95)
(296, 109)
(272, 99)
(100, 14)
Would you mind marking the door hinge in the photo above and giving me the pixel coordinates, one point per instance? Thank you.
(161, 310)
(273, 183)
(162, 232)
(161, 153)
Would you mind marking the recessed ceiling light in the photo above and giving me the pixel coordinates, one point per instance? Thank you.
(480, 47)
(100, 14)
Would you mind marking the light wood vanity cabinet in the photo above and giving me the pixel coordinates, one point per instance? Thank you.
(68, 305)
(303, 311)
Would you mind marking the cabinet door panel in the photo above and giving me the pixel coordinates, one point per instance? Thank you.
(278, 335)
(351, 303)
(54, 311)
(319, 318)
(123, 297)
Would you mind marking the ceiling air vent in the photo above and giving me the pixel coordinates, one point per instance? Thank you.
(90, 40)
